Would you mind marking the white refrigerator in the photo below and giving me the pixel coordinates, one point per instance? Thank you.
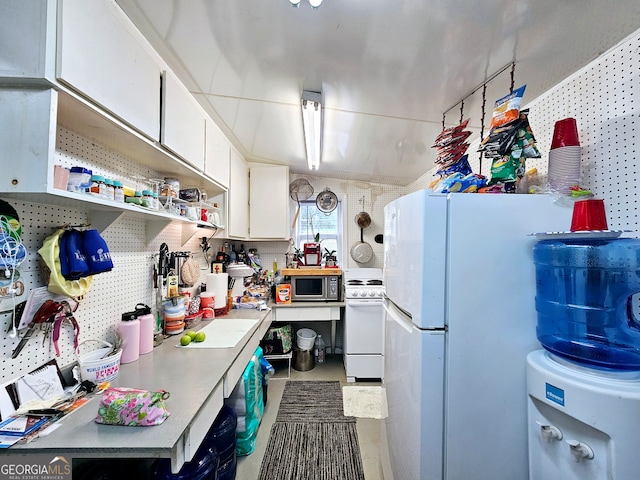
(460, 320)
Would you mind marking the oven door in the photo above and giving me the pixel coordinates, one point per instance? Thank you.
(364, 327)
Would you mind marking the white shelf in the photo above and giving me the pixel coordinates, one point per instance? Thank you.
(282, 356)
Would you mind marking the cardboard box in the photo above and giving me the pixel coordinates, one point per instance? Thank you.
(283, 293)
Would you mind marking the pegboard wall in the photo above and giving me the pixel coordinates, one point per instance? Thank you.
(604, 98)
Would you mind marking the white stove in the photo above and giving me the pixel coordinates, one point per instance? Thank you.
(363, 287)
(363, 324)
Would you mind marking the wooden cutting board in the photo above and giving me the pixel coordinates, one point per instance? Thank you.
(287, 272)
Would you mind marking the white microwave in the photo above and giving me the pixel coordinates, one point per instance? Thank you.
(316, 288)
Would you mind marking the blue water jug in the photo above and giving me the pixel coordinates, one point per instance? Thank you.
(584, 294)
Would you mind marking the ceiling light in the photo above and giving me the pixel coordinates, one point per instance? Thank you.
(314, 3)
(312, 126)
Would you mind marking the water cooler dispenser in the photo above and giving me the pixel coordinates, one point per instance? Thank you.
(584, 387)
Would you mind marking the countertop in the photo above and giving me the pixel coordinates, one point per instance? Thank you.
(192, 376)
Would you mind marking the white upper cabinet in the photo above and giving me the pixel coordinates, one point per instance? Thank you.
(102, 55)
(28, 39)
(217, 151)
(182, 121)
(238, 197)
(269, 202)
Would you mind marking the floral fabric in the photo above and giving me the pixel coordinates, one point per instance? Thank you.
(132, 407)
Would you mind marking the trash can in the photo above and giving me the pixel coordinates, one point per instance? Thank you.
(303, 360)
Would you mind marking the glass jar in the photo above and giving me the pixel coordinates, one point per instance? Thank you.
(118, 191)
(97, 185)
(147, 198)
(109, 190)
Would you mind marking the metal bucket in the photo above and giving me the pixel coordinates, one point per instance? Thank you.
(303, 360)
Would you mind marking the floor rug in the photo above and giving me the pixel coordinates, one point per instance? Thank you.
(312, 402)
(311, 439)
(364, 402)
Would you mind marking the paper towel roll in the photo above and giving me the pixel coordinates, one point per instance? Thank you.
(218, 283)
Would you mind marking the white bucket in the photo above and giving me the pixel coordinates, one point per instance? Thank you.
(96, 369)
(306, 338)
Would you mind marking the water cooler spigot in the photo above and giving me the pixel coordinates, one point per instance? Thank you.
(580, 451)
(549, 432)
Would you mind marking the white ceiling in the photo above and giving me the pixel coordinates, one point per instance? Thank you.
(388, 69)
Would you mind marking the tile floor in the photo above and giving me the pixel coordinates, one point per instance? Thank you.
(370, 431)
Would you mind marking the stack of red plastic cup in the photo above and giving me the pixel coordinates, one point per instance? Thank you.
(564, 156)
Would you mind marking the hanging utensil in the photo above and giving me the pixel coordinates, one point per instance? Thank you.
(363, 220)
(362, 252)
(299, 190)
(326, 201)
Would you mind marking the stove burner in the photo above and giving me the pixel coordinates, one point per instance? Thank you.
(374, 282)
(355, 282)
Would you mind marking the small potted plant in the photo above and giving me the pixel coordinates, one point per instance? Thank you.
(329, 258)
(297, 257)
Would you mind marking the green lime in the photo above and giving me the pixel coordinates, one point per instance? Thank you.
(191, 334)
(185, 340)
(200, 336)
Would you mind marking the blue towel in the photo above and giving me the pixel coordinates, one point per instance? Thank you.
(71, 246)
(97, 252)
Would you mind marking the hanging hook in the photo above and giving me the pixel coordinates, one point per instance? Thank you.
(484, 104)
(513, 71)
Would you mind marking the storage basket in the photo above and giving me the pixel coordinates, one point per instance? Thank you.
(277, 340)
(306, 338)
(95, 368)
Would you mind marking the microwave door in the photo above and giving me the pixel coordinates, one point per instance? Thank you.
(308, 288)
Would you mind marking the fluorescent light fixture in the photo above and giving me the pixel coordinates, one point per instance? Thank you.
(312, 126)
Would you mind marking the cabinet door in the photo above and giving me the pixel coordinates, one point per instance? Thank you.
(28, 39)
(102, 55)
(216, 154)
(28, 145)
(182, 121)
(238, 209)
(269, 202)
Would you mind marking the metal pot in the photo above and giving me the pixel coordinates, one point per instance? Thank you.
(363, 219)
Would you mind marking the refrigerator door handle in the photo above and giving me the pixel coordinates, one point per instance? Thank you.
(395, 315)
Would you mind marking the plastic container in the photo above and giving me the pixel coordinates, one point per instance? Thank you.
(79, 179)
(583, 300)
(147, 327)
(60, 177)
(319, 349)
(129, 331)
(95, 366)
(306, 338)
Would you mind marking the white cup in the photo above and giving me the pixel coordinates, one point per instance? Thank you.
(192, 213)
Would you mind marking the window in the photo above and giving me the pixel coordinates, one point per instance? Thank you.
(312, 221)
